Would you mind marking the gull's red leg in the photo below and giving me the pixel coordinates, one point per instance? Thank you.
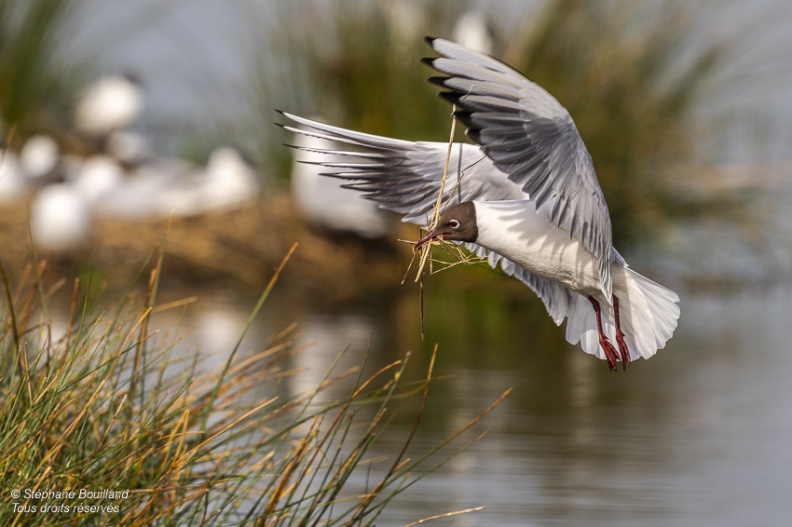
(607, 347)
(624, 350)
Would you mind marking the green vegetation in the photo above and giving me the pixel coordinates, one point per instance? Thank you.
(107, 406)
(358, 66)
(37, 88)
(627, 73)
(630, 75)
(622, 71)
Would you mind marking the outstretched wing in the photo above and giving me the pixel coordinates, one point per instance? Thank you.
(528, 135)
(405, 176)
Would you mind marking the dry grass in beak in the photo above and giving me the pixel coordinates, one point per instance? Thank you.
(451, 248)
(456, 252)
(426, 248)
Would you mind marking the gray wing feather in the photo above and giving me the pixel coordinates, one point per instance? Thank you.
(532, 138)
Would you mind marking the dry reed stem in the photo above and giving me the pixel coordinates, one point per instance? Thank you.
(445, 515)
(427, 249)
(401, 459)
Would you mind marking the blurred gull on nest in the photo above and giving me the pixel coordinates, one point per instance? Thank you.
(96, 177)
(322, 201)
(39, 157)
(149, 191)
(110, 104)
(524, 196)
(60, 218)
(229, 180)
(167, 186)
(12, 182)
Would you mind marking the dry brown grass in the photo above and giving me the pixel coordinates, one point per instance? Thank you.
(238, 248)
(108, 406)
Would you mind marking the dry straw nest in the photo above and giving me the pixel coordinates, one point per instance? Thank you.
(239, 247)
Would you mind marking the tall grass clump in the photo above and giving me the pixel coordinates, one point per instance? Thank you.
(37, 85)
(108, 408)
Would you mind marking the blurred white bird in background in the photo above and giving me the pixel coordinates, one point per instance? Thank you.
(39, 157)
(97, 176)
(122, 178)
(149, 191)
(110, 104)
(12, 183)
(60, 218)
(168, 186)
(229, 180)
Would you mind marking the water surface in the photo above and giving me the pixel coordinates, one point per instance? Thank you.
(697, 436)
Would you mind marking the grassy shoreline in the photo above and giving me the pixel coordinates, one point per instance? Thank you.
(105, 424)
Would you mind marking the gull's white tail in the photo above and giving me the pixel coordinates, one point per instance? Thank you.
(648, 316)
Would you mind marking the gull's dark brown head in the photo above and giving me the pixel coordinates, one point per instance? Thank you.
(457, 223)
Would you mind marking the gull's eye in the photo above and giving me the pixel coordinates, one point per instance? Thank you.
(454, 224)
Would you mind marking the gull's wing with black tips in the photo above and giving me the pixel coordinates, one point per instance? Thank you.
(529, 136)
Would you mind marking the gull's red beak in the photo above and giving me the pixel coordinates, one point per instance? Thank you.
(429, 237)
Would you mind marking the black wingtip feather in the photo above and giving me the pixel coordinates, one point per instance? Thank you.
(429, 61)
(464, 117)
(455, 99)
(430, 40)
(473, 133)
(450, 96)
(440, 81)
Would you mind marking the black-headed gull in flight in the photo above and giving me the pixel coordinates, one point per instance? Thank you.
(525, 196)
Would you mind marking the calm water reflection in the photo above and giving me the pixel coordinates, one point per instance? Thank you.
(698, 436)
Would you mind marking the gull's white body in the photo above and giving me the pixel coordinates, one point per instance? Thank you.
(514, 230)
